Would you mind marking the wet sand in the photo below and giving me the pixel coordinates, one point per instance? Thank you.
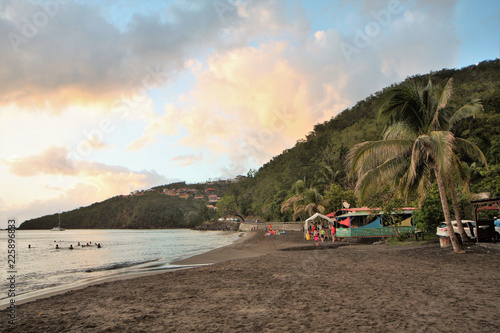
(282, 283)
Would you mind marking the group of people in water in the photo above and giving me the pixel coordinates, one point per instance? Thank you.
(319, 233)
(98, 245)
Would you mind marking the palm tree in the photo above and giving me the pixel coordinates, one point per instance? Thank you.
(416, 147)
(304, 200)
(330, 167)
(446, 119)
(297, 195)
(313, 202)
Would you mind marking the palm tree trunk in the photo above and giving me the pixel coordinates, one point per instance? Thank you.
(446, 210)
(458, 218)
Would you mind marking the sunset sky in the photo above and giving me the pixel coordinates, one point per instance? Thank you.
(100, 98)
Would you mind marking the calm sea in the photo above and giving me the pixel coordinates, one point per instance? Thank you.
(42, 268)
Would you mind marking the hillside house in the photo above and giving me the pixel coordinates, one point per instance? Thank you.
(210, 191)
(212, 198)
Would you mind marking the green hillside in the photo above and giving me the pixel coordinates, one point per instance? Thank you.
(319, 159)
(149, 210)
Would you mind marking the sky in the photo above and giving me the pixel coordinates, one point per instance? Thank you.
(101, 98)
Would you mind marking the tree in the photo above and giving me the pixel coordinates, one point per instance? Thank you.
(228, 206)
(304, 201)
(293, 201)
(336, 195)
(446, 119)
(312, 202)
(430, 213)
(416, 146)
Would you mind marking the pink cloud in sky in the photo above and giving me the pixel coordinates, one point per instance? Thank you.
(185, 160)
(77, 181)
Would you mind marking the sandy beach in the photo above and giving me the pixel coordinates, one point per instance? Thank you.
(282, 283)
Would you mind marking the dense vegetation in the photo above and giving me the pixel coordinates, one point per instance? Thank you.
(312, 175)
(150, 210)
(319, 160)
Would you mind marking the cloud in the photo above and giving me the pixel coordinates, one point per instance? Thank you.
(80, 55)
(62, 52)
(252, 102)
(53, 161)
(185, 160)
(75, 182)
(57, 161)
(157, 125)
(70, 54)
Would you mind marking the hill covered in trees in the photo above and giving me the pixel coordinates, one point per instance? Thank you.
(317, 163)
(314, 167)
(149, 210)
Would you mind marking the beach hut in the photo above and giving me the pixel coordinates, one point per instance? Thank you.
(306, 223)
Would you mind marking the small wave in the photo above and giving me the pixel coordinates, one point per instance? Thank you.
(119, 265)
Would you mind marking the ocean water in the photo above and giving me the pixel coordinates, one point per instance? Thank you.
(42, 268)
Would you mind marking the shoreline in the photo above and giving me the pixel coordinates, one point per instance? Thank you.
(194, 261)
(220, 254)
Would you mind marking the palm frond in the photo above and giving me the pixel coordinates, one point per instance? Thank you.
(422, 152)
(469, 110)
(386, 173)
(439, 117)
(368, 155)
(399, 130)
(290, 203)
(299, 210)
(443, 143)
(471, 150)
(459, 174)
(402, 103)
(298, 187)
(416, 177)
(445, 95)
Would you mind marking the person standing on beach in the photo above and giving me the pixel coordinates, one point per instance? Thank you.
(322, 233)
(333, 232)
(316, 238)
